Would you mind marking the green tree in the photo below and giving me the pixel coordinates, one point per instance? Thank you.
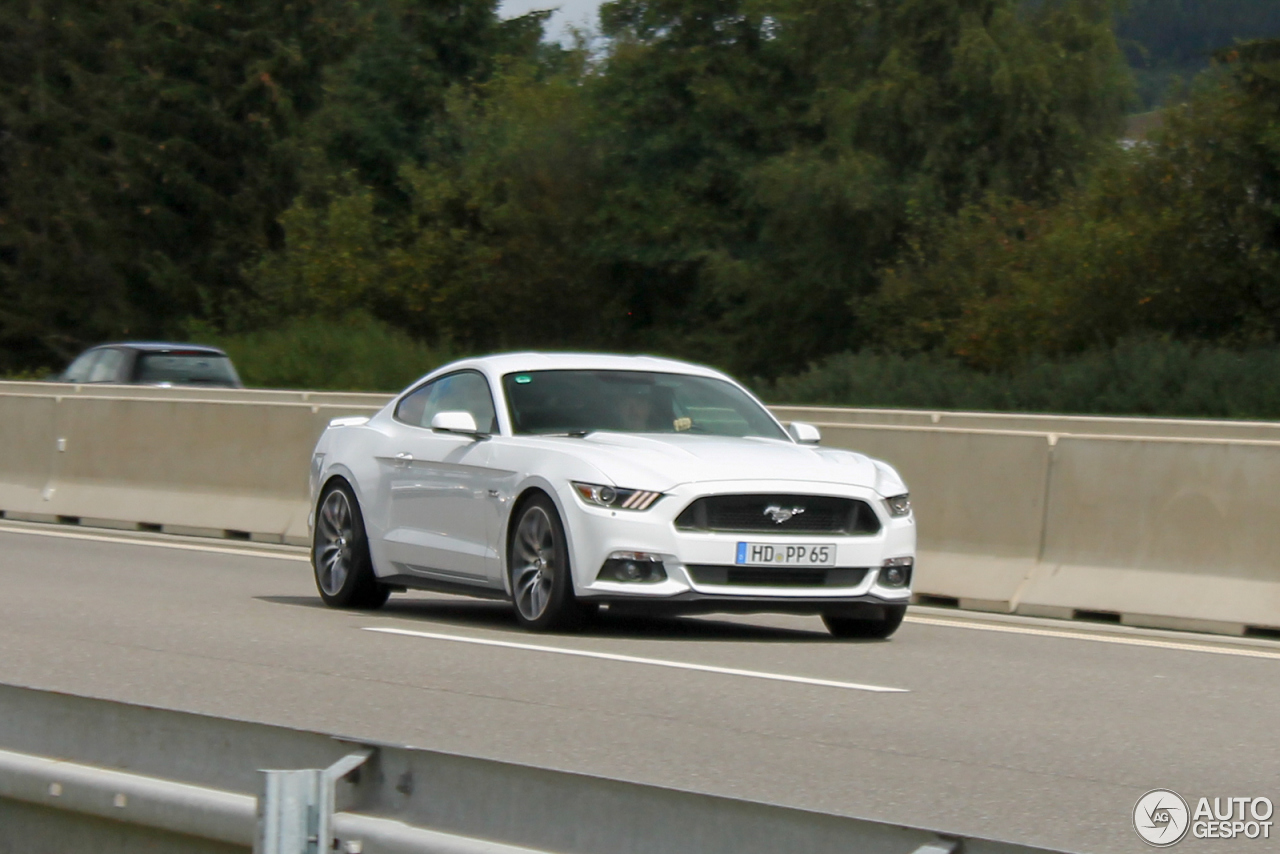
(491, 249)
(384, 98)
(772, 157)
(725, 181)
(150, 147)
(1180, 236)
(58, 171)
(146, 154)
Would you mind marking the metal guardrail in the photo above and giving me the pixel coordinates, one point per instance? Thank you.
(292, 816)
(131, 798)
(187, 780)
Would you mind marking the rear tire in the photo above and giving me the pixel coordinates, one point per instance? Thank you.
(538, 565)
(845, 626)
(340, 552)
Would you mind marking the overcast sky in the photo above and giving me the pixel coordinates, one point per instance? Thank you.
(578, 12)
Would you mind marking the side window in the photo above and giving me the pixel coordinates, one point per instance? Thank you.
(107, 368)
(80, 368)
(465, 391)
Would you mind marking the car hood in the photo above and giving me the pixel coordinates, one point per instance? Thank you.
(662, 462)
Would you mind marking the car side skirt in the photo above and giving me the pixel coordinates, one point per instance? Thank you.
(417, 582)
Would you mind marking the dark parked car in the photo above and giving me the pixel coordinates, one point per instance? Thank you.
(153, 363)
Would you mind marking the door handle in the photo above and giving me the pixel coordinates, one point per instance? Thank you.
(403, 459)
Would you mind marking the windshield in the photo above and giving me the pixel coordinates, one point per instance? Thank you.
(632, 402)
(186, 369)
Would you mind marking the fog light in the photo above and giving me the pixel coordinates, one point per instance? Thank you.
(896, 572)
(633, 568)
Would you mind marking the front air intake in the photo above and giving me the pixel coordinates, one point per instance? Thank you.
(780, 514)
(775, 576)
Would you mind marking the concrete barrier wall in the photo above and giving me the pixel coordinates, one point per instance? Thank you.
(839, 415)
(979, 504)
(26, 448)
(1172, 533)
(1020, 422)
(1179, 428)
(1060, 424)
(240, 467)
(182, 465)
(1165, 533)
(1155, 531)
(238, 395)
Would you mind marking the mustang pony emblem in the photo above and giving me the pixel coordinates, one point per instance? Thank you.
(782, 514)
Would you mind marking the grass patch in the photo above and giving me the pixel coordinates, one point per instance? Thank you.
(355, 354)
(30, 375)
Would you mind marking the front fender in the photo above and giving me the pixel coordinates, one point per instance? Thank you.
(350, 452)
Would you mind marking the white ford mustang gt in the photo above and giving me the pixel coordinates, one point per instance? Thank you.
(563, 482)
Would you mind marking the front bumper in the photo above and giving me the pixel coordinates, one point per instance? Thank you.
(595, 533)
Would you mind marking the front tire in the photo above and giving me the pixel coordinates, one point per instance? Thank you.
(845, 626)
(340, 552)
(538, 564)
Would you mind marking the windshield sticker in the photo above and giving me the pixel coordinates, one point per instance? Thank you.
(682, 424)
(524, 378)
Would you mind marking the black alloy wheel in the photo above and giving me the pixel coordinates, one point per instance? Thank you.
(340, 552)
(538, 563)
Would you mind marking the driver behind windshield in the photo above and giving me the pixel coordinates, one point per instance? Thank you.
(647, 409)
(583, 401)
(634, 411)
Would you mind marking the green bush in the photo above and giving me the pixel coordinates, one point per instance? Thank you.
(1145, 376)
(354, 354)
(29, 374)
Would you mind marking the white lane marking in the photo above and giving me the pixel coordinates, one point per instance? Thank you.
(139, 541)
(631, 659)
(1051, 633)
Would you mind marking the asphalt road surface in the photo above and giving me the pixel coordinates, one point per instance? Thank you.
(1030, 731)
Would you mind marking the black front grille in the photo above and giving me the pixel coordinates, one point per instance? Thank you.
(750, 514)
(775, 576)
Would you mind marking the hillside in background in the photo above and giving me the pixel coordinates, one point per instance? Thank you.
(1167, 40)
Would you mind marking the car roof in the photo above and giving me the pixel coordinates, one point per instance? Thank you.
(163, 347)
(505, 363)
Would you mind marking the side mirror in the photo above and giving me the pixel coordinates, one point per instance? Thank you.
(805, 434)
(455, 422)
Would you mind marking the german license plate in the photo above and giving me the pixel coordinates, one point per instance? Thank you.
(792, 554)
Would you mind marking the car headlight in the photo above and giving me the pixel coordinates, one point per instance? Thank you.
(616, 497)
(899, 505)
